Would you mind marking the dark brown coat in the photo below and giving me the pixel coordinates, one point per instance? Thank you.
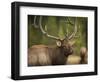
(46, 55)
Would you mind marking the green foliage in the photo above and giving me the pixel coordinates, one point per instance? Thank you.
(57, 26)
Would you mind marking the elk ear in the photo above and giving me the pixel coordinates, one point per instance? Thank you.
(58, 43)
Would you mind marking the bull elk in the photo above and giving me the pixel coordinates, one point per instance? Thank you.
(39, 55)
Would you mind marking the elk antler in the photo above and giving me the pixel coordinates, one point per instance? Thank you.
(35, 22)
(42, 30)
(73, 33)
(75, 30)
(53, 37)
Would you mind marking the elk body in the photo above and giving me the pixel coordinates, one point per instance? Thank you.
(46, 55)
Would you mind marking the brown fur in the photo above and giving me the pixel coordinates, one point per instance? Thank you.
(46, 55)
(84, 56)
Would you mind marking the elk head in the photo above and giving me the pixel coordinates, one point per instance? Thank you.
(83, 54)
(66, 48)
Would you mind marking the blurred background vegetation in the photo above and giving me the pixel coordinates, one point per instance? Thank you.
(57, 26)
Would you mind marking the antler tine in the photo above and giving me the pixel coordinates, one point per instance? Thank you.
(66, 35)
(44, 32)
(69, 21)
(35, 22)
(75, 30)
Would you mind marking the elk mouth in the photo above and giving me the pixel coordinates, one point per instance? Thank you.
(69, 52)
